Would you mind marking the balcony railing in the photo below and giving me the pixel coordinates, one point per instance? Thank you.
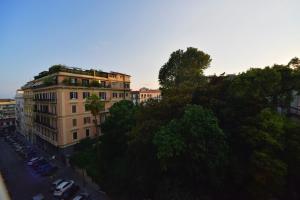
(45, 100)
(44, 112)
(45, 125)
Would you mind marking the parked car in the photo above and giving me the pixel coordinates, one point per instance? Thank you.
(49, 171)
(18, 149)
(29, 154)
(34, 160)
(56, 183)
(42, 167)
(61, 188)
(71, 192)
(39, 163)
(82, 196)
(38, 197)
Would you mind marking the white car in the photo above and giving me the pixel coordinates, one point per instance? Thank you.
(82, 196)
(62, 187)
(56, 183)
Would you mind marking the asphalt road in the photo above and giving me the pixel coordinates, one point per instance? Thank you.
(21, 181)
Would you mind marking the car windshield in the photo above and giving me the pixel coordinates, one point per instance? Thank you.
(65, 185)
(57, 182)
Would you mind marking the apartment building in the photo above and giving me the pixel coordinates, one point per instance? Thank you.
(54, 104)
(7, 114)
(20, 123)
(144, 94)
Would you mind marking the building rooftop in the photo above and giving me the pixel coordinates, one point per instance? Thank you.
(6, 100)
(145, 90)
(75, 70)
(150, 91)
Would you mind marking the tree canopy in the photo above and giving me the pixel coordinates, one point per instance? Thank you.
(210, 137)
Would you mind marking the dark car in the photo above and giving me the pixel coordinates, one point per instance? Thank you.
(49, 171)
(70, 192)
(43, 167)
(39, 163)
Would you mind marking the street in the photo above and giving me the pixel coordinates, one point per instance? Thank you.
(23, 182)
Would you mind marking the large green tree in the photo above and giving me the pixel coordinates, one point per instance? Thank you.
(192, 151)
(217, 137)
(113, 146)
(184, 69)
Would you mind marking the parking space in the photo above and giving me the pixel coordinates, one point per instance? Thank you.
(28, 173)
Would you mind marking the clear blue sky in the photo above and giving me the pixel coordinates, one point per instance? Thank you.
(137, 37)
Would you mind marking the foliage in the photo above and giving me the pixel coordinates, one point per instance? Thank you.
(114, 144)
(184, 69)
(63, 68)
(49, 81)
(216, 137)
(95, 83)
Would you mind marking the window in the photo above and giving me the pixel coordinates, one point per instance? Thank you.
(102, 84)
(73, 95)
(126, 85)
(87, 132)
(85, 82)
(74, 122)
(73, 108)
(115, 95)
(73, 81)
(102, 95)
(86, 120)
(121, 95)
(85, 94)
(75, 136)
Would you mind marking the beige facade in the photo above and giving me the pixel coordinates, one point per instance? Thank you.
(144, 94)
(27, 131)
(20, 123)
(59, 115)
(7, 114)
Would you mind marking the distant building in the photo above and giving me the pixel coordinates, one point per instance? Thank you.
(144, 94)
(135, 97)
(7, 114)
(20, 123)
(54, 104)
(295, 105)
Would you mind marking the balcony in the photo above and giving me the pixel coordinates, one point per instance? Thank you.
(84, 83)
(45, 125)
(44, 112)
(45, 100)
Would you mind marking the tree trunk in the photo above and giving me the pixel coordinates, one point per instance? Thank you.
(96, 125)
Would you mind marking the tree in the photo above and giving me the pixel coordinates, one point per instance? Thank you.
(294, 63)
(114, 144)
(258, 170)
(184, 69)
(95, 105)
(292, 157)
(192, 152)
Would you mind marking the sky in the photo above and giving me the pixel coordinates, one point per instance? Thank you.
(136, 37)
